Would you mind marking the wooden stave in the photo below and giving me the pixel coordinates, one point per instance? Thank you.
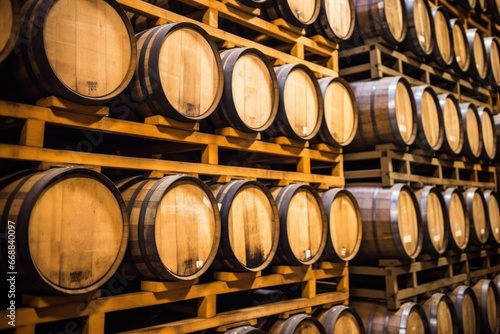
(290, 325)
(477, 238)
(473, 71)
(494, 234)
(494, 78)
(436, 53)
(484, 289)
(459, 25)
(455, 193)
(6, 49)
(421, 139)
(431, 309)
(457, 298)
(467, 149)
(274, 9)
(446, 147)
(322, 25)
(328, 318)
(486, 117)
(412, 41)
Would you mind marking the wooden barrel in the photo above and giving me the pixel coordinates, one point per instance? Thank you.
(344, 225)
(453, 122)
(300, 111)
(435, 220)
(496, 281)
(440, 313)
(250, 98)
(74, 215)
(250, 226)
(387, 113)
(459, 220)
(297, 12)
(340, 121)
(303, 224)
(488, 133)
(487, 298)
(341, 319)
(443, 42)
(385, 18)
(420, 35)
(460, 46)
(468, 5)
(175, 227)
(477, 54)
(298, 324)
(179, 73)
(482, 6)
(473, 143)
(336, 20)
(430, 134)
(245, 330)
(477, 211)
(391, 215)
(493, 205)
(467, 310)
(10, 23)
(492, 47)
(409, 318)
(253, 3)
(84, 52)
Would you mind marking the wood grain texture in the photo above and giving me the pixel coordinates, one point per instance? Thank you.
(420, 35)
(473, 143)
(430, 133)
(458, 218)
(300, 13)
(336, 19)
(492, 47)
(460, 46)
(453, 124)
(434, 220)
(493, 204)
(297, 324)
(10, 22)
(487, 298)
(341, 319)
(477, 53)
(488, 134)
(440, 313)
(477, 211)
(443, 43)
(466, 307)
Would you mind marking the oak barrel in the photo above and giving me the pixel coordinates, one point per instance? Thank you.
(441, 314)
(344, 225)
(10, 23)
(387, 113)
(303, 224)
(298, 324)
(74, 215)
(477, 211)
(175, 227)
(488, 133)
(459, 220)
(489, 305)
(392, 215)
(340, 121)
(493, 204)
(430, 134)
(250, 97)
(473, 142)
(453, 122)
(492, 47)
(81, 51)
(477, 53)
(336, 20)
(443, 41)
(460, 46)
(420, 34)
(245, 330)
(341, 319)
(250, 226)
(179, 73)
(466, 308)
(297, 12)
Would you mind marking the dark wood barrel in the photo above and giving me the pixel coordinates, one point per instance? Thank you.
(494, 9)
(420, 35)
(175, 227)
(336, 20)
(493, 204)
(459, 220)
(387, 113)
(477, 211)
(460, 46)
(440, 313)
(10, 23)
(477, 53)
(297, 13)
(467, 310)
(473, 143)
(341, 319)
(250, 97)
(443, 41)
(253, 3)
(385, 18)
(179, 73)
(391, 215)
(340, 121)
(492, 47)
(453, 122)
(298, 324)
(430, 134)
(409, 318)
(74, 215)
(489, 305)
(301, 110)
(344, 225)
(303, 224)
(435, 220)
(82, 52)
(496, 281)
(250, 226)
(245, 330)
(487, 133)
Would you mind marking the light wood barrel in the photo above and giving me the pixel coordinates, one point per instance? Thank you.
(477, 211)
(179, 73)
(467, 310)
(387, 113)
(297, 12)
(10, 23)
(336, 20)
(250, 98)
(175, 227)
(488, 133)
(493, 205)
(391, 215)
(430, 134)
(301, 109)
(298, 324)
(341, 319)
(250, 226)
(303, 224)
(340, 121)
(344, 225)
(460, 46)
(453, 124)
(420, 35)
(477, 53)
(459, 220)
(245, 330)
(440, 314)
(83, 52)
(385, 18)
(410, 318)
(488, 300)
(492, 47)
(74, 215)
(443, 42)
(473, 143)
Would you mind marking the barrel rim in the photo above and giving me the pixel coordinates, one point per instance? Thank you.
(434, 301)
(386, 31)
(438, 57)
(289, 16)
(293, 321)
(459, 23)
(464, 107)
(322, 24)
(488, 193)
(456, 296)
(392, 109)
(473, 70)
(485, 111)
(469, 195)
(481, 291)
(446, 146)
(333, 314)
(14, 31)
(447, 195)
(411, 35)
(422, 141)
(406, 310)
(487, 43)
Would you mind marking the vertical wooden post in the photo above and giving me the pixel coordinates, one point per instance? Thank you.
(210, 154)
(207, 306)
(94, 324)
(33, 133)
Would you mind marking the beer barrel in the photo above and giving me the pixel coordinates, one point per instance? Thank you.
(340, 121)
(460, 46)
(441, 314)
(250, 97)
(298, 324)
(10, 23)
(297, 13)
(473, 144)
(391, 215)
(73, 215)
(430, 134)
(488, 133)
(387, 113)
(303, 224)
(174, 227)
(250, 226)
(344, 225)
(459, 220)
(385, 18)
(443, 43)
(245, 330)
(492, 48)
(453, 142)
(336, 20)
(179, 73)
(477, 54)
(341, 319)
(83, 52)
(488, 300)
(477, 211)
(466, 307)
(493, 205)
(420, 35)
